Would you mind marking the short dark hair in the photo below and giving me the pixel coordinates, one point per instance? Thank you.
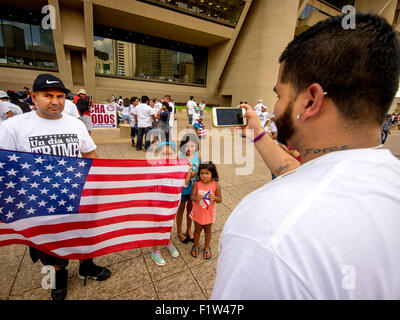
(145, 99)
(358, 68)
(191, 97)
(166, 104)
(210, 166)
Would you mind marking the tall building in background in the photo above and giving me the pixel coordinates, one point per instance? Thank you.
(124, 58)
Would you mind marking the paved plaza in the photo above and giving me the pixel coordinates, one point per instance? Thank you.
(134, 274)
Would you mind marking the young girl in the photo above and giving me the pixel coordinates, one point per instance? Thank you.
(166, 151)
(205, 193)
(188, 150)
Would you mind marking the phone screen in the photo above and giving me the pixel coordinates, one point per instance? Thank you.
(230, 117)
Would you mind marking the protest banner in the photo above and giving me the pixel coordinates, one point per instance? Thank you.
(103, 116)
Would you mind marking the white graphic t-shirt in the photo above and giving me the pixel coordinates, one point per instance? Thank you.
(28, 132)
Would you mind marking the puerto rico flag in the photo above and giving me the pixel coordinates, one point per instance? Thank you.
(206, 201)
(77, 208)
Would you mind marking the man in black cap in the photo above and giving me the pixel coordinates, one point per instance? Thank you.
(37, 131)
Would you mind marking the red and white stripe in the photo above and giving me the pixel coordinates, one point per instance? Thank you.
(125, 204)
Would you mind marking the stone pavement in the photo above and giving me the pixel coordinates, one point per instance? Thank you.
(134, 274)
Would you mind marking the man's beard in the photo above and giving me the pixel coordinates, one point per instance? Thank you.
(285, 125)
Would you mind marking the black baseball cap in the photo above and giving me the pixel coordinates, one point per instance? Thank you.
(48, 81)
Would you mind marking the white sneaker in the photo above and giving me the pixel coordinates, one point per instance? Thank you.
(158, 258)
(172, 250)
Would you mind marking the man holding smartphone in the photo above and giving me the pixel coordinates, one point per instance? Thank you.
(339, 222)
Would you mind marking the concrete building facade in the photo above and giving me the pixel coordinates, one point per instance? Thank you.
(220, 51)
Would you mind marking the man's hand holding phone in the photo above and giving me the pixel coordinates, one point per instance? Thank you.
(253, 127)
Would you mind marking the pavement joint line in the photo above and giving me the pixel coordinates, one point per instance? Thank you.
(151, 278)
(190, 270)
(16, 274)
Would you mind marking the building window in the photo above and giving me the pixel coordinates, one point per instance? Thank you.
(220, 11)
(127, 54)
(23, 42)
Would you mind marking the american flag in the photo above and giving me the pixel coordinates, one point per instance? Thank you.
(77, 208)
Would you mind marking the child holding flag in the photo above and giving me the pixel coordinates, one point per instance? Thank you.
(205, 193)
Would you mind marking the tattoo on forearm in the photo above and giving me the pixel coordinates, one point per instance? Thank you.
(322, 151)
(280, 169)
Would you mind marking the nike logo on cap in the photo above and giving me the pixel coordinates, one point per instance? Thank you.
(50, 82)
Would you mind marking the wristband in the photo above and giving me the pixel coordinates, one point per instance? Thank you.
(259, 136)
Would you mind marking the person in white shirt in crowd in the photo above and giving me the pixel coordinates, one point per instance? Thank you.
(40, 129)
(5, 111)
(173, 103)
(264, 116)
(70, 108)
(157, 105)
(202, 107)
(134, 127)
(258, 106)
(191, 105)
(16, 110)
(125, 109)
(331, 227)
(144, 117)
(196, 115)
(272, 126)
(167, 98)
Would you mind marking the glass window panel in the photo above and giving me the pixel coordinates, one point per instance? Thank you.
(3, 58)
(43, 45)
(18, 42)
(104, 55)
(143, 61)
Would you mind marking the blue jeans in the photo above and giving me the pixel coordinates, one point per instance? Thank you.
(143, 132)
(384, 136)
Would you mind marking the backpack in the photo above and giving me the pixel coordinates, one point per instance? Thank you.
(83, 103)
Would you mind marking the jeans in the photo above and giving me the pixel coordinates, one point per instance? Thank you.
(190, 116)
(143, 132)
(384, 136)
(133, 134)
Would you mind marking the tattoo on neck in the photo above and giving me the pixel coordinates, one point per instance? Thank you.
(280, 169)
(323, 151)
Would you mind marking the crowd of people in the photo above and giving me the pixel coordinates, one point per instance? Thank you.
(153, 119)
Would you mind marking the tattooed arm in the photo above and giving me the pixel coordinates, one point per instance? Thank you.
(277, 160)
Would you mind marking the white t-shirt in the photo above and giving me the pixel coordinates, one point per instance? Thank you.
(144, 115)
(264, 117)
(258, 108)
(202, 106)
(157, 106)
(66, 136)
(330, 231)
(191, 105)
(4, 108)
(71, 109)
(195, 117)
(131, 117)
(16, 110)
(125, 110)
(272, 126)
(172, 114)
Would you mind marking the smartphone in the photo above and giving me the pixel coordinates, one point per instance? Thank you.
(229, 117)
